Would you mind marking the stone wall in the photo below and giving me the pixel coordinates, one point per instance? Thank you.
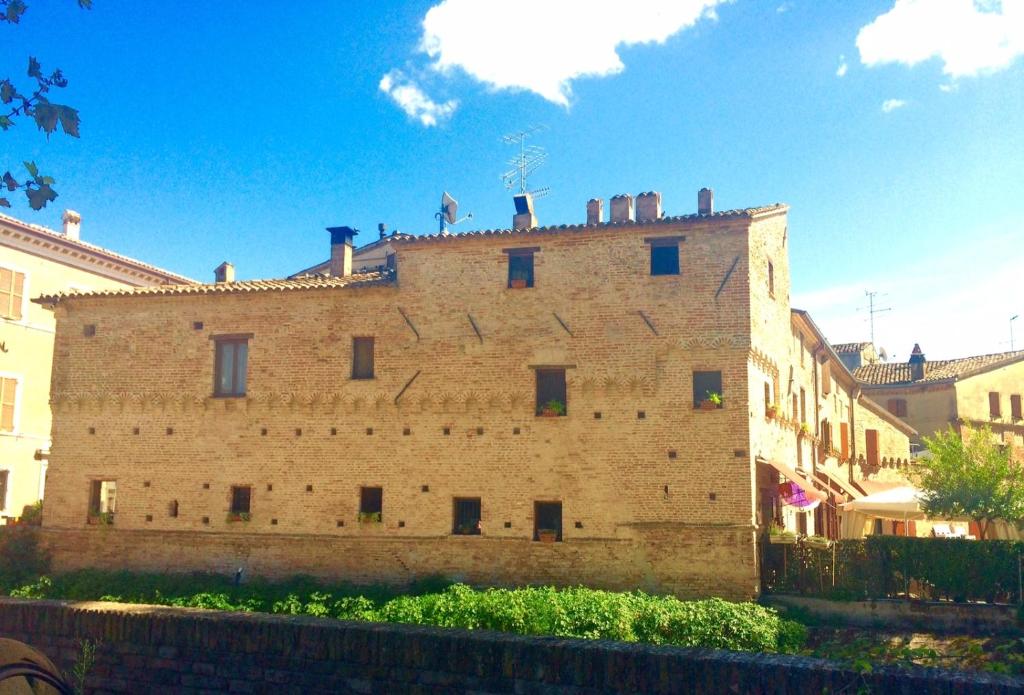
(174, 650)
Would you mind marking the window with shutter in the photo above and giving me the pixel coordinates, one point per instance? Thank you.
(12, 293)
(8, 398)
(871, 441)
(1015, 408)
(362, 358)
(993, 405)
(826, 379)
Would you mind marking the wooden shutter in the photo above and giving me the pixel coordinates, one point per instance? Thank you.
(871, 440)
(993, 404)
(8, 393)
(826, 378)
(1015, 408)
(844, 439)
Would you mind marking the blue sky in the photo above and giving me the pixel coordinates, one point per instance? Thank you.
(238, 131)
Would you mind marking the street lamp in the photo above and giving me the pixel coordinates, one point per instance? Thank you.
(1012, 319)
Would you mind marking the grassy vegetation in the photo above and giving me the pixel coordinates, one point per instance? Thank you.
(573, 612)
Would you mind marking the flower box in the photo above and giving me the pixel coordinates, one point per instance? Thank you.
(517, 284)
(369, 517)
(547, 535)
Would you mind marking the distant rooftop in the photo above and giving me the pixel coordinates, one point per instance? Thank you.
(841, 348)
(937, 370)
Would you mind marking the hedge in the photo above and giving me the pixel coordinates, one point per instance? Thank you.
(884, 566)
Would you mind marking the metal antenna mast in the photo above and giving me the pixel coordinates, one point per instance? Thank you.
(872, 311)
(529, 159)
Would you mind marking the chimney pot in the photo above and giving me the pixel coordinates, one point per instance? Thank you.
(72, 224)
(648, 206)
(918, 364)
(705, 201)
(383, 229)
(524, 217)
(595, 211)
(622, 208)
(225, 272)
(341, 250)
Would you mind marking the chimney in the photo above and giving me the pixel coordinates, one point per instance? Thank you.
(648, 207)
(72, 224)
(225, 272)
(622, 208)
(918, 366)
(382, 229)
(595, 211)
(705, 201)
(524, 217)
(341, 250)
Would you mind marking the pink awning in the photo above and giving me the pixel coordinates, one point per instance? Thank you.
(800, 480)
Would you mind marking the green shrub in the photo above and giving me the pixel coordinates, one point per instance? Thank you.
(21, 557)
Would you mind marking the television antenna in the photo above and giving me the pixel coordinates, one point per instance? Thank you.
(529, 159)
(872, 311)
(448, 214)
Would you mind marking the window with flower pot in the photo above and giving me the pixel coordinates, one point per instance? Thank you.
(102, 501)
(551, 392)
(707, 390)
(371, 504)
(547, 521)
(466, 516)
(664, 255)
(520, 267)
(231, 364)
(241, 501)
(362, 358)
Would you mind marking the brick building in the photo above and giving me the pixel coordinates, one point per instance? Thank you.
(574, 404)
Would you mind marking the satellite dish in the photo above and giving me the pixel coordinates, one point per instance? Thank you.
(450, 207)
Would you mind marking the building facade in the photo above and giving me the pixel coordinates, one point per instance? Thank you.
(35, 260)
(932, 396)
(575, 404)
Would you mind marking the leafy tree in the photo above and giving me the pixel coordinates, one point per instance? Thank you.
(34, 104)
(973, 476)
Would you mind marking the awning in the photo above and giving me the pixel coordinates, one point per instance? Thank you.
(837, 481)
(899, 503)
(799, 479)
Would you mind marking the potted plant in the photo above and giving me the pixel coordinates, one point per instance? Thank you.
(369, 517)
(547, 535)
(771, 411)
(101, 518)
(552, 408)
(805, 429)
(712, 401)
(779, 535)
(238, 516)
(517, 282)
(819, 542)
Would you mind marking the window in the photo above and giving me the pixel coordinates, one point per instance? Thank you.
(1015, 408)
(802, 350)
(871, 440)
(826, 378)
(803, 405)
(547, 520)
(664, 257)
(897, 406)
(771, 280)
(371, 503)
(362, 358)
(3, 489)
(826, 434)
(103, 499)
(993, 405)
(8, 398)
(232, 363)
(551, 392)
(704, 385)
(767, 397)
(466, 516)
(12, 294)
(241, 499)
(844, 439)
(796, 408)
(520, 268)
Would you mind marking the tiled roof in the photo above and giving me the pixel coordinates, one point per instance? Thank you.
(92, 248)
(850, 347)
(310, 282)
(937, 370)
(741, 213)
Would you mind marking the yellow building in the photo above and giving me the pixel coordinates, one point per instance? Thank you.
(35, 260)
(931, 396)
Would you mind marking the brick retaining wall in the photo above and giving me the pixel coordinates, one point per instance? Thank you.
(179, 650)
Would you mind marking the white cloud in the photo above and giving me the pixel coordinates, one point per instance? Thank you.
(951, 87)
(890, 105)
(414, 101)
(969, 36)
(543, 45)
(841, 70)
(784, 7)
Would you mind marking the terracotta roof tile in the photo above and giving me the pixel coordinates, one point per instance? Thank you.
(740, 213)
(308, 282)
(93, 248)
(937, 370)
